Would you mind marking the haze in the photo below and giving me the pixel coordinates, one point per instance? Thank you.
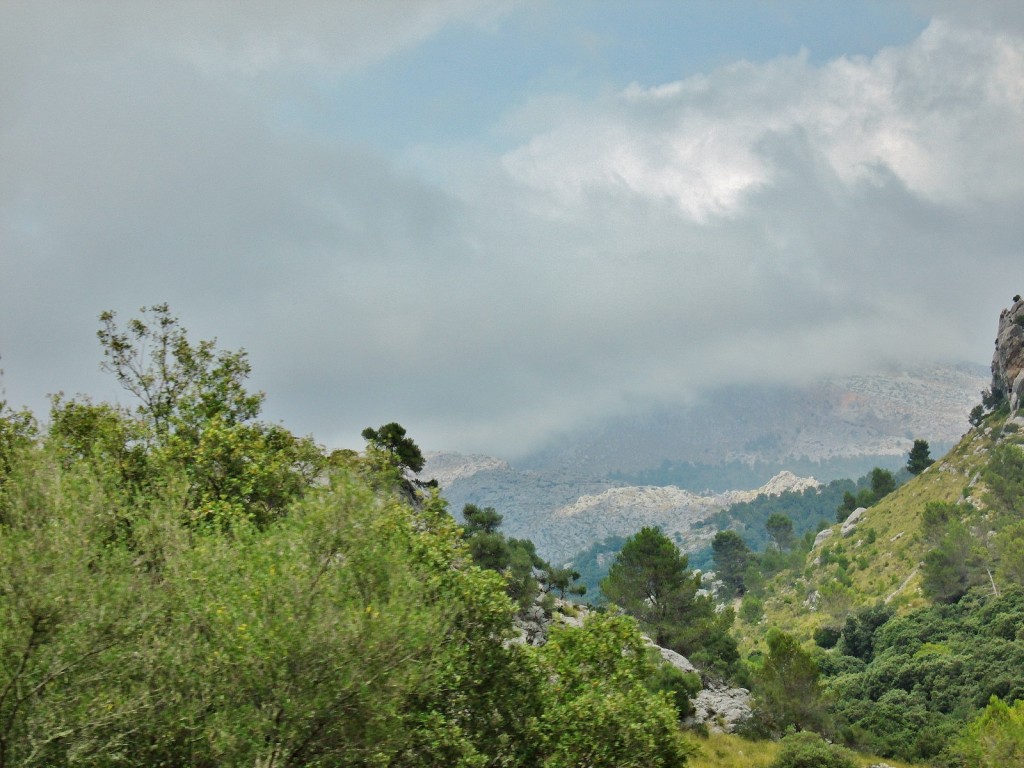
(493, 221)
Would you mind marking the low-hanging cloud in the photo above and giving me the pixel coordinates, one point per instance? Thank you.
(775, 220)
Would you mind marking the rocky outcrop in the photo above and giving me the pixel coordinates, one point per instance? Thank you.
(721, 708)
(1008, 360)
(850, 524)
(716, 705)
(563, 517)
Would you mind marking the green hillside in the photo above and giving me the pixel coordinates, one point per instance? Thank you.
(913, 613)
(881, 559)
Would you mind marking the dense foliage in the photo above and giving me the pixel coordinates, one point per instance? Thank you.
(181, 584)
(904, 686)
(651, 580)
(808, 511)
(808, 750)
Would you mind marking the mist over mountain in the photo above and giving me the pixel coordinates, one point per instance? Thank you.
(675, 466)
(856, 417)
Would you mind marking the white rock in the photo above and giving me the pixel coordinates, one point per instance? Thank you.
(851, 521)
(822, 536)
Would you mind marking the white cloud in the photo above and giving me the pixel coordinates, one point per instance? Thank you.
(767, 220)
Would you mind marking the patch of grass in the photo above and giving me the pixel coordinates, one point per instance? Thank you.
(724, 750)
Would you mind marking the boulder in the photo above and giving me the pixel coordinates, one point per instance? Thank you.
(822, 535)
(677, 660)
(851, 522)
(721, 708)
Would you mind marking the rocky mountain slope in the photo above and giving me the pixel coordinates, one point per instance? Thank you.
(565, 499)
(882, 550)
(868, 415)
(563, 515)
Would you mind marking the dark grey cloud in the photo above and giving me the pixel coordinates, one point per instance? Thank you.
(774, 220)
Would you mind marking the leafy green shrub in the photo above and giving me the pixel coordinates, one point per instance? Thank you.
(827, 637)
(680, 686)
(751, 609)
(598, 710)
(809, 750)
(927, 671)
(995, 738)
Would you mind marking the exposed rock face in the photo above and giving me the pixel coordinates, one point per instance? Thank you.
(721, 708)
(677, 660)
(869, 415)
(1008, 360)
(822, 536)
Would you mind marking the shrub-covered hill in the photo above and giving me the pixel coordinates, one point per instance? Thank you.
(946, 530)
(912, 611)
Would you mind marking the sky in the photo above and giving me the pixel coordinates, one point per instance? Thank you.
(495, 221)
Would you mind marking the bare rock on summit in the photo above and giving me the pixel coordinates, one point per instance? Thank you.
(1008, 359)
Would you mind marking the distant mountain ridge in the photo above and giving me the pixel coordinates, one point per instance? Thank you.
(576, 493)
(563, 515)
(866, 415)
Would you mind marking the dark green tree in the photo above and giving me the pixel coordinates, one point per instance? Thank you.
(780, 528)
(788, 692)
(883, 482)
(849, 505)
(977, 415)
(390, 439)
(919, 458)
(563, 580)
(652, 581)
(490, 551)
(1004, 476)
(486, 520)
(859, 630)
(954, 566)
(731, 556)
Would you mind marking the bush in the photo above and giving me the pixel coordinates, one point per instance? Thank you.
(809, 750)
(827, 637)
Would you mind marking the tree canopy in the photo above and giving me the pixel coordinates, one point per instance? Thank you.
(183, 585)
(919, 458)
(653, 582)
(390, 439)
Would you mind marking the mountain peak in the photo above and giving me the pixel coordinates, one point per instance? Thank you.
(1008, 359)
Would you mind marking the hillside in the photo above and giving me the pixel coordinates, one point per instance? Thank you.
(675, 467)
(902, 623)
(879, 556)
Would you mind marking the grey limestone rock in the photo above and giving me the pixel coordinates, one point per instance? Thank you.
(721, 708)
(1008, 358)
(677, 660)
(851, 522)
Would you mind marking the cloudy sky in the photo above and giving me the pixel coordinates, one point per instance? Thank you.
(494, 220)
